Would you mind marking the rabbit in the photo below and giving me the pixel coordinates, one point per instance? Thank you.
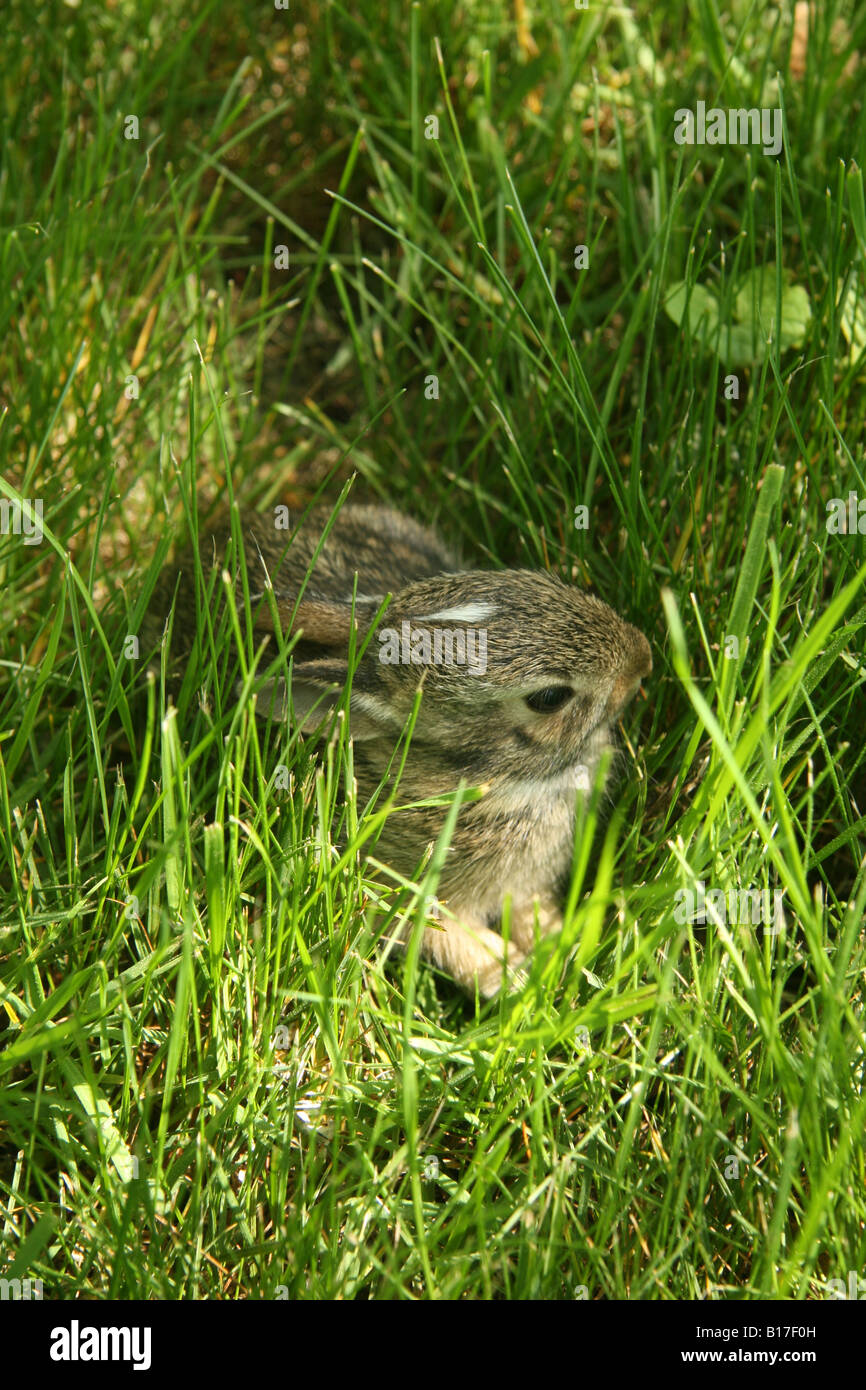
(538, 674)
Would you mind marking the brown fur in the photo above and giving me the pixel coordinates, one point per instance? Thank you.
(517, 839)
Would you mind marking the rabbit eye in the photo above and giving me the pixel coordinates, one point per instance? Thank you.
(551, 699)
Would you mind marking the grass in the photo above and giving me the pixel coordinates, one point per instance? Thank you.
(216, 1083)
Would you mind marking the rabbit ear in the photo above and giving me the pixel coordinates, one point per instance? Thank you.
(325, 622)
(317, 690)
(319, 677)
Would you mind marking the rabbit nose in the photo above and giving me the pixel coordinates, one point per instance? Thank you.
(642, 660)
(635, 667)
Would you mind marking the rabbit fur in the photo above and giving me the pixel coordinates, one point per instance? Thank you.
(540, 635)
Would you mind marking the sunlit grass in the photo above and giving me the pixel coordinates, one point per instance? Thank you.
(219, 1077)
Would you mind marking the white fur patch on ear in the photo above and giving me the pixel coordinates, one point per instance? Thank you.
(370, 704)
(369, 716)
(463, 613)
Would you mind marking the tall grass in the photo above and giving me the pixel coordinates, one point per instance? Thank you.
(219, 1079)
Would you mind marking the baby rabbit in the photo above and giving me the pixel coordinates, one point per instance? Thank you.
(522, 678)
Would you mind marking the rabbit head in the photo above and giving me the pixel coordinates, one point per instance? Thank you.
(522, 675)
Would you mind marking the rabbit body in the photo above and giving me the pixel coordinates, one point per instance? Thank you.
(526, 712)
